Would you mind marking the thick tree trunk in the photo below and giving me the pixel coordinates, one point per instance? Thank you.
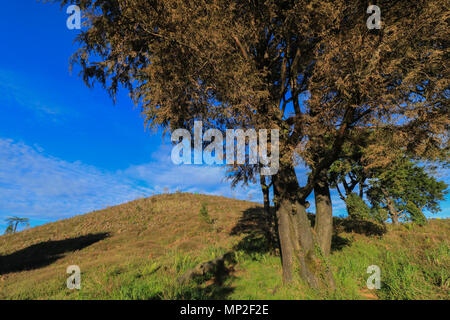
(324, 214)
(286, 242)
(297, 241)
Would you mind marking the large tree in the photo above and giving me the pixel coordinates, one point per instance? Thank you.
(311, 69)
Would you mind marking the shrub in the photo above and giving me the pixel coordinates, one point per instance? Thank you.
(204, 215)
(356, 207)
(415, 214)
(379, 214)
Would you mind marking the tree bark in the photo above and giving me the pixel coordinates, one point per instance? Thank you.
(393, 213)
(276, 217)
(394, 219)
(361, 187)
(324, 214)
(297, 241)
(265, 191)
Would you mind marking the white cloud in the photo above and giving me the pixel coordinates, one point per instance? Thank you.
(35, 184)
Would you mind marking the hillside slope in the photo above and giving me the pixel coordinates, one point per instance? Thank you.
(138, 250)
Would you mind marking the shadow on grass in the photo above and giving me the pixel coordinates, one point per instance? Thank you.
(367, 228)
(209, 291)
(45, 253)
(214, 290)
(252, 225)
(216, 284)
(338, 243)
(340, 225)
(208, 280)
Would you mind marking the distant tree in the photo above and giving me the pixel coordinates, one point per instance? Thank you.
(13, 222)
(415, 214)
(405, 190)
(9, 229)
(409, 182)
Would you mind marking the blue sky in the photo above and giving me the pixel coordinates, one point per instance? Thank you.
(66, 149)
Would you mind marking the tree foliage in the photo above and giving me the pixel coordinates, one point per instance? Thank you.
(405, 189)
(415, 214)
(356, 207)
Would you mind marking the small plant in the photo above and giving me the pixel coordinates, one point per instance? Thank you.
(151, 269)
(183, 262)
(204, 215)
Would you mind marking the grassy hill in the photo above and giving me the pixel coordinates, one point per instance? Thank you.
(138, 250)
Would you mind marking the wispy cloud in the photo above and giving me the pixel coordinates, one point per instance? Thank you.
(14, 91)
(35, 184)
